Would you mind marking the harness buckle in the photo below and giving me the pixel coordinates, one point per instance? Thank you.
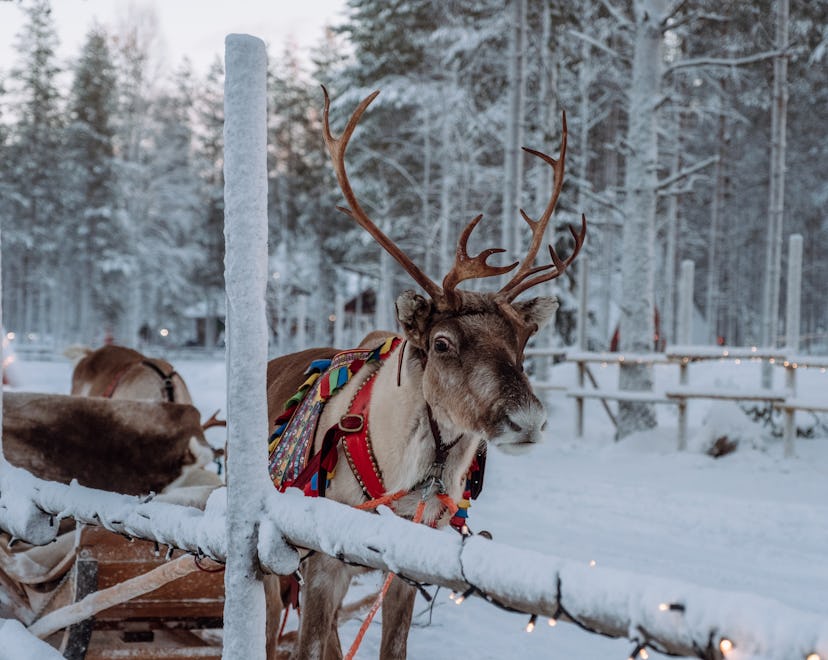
(351, 423)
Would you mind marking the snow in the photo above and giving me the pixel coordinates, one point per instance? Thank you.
(664, 523)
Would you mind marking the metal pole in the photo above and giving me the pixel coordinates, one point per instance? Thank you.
(245, 235)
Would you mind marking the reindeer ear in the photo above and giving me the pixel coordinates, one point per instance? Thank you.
(537, 310)
(413, 312)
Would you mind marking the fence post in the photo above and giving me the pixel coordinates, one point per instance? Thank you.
(583, 319)
(792, 334)
(245, 236)
(685, 336)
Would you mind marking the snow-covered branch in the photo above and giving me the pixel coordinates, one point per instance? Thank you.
(700, 16)
(723, 61)
(685, 172)
(659, 614)
(618, 15)
(598, 44)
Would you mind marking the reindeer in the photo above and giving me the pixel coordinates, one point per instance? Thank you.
(118, 372)
(454, 385)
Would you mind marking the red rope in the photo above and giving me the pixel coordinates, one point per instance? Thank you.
(418, 516)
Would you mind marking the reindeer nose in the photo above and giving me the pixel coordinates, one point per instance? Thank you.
(513, 426)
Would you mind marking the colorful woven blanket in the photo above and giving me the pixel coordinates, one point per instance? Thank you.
(291, 444)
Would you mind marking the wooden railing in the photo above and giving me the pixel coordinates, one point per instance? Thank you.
(785, 399)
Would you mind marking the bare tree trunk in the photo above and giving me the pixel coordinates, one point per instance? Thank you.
(776, 204)
(668, 316)
(510, 228)
(711, 307)
(637, 297)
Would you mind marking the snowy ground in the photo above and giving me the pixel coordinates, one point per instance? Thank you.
(752, 521)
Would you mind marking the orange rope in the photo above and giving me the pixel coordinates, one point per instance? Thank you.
(418, 516)
(384, 500)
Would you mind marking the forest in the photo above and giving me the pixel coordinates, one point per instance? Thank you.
(696, 130)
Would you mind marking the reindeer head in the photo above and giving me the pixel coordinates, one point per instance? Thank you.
(471, 344)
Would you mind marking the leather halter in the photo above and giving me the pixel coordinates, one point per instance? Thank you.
(168, 386)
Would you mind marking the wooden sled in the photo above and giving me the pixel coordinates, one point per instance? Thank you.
(180, 619)
(90, 576)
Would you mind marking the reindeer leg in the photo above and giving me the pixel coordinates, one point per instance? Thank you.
(397, 609)
(273, 611)
(326, 583)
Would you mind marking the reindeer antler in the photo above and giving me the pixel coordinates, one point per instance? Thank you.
(465, 267)
(523, 278)
(336, 148)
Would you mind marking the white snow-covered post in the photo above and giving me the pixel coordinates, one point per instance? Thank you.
(339, 320)
(793, 313)
(245, 235)
(685, 337)
(583, 315)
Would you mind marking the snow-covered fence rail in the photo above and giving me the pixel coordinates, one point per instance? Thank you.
(664, 615)
(683, 355)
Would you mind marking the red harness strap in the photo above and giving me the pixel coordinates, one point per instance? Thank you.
(113, 384)
(356, 442)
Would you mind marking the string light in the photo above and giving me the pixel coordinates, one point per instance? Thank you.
(459, 599)
(553, 622)
(531, 625)
(671, 607)
(725, 646)
(813, 656)
(592, 563)
(639, 651)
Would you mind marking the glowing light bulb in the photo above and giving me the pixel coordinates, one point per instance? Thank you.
(531, 625)
(813, 656)
(459, 599)
(592, 563)
(663, 607)
(725, 646)
(553, 622)
(643, 654)
(725, 353)
(772, 361)
(737, 361)
(452, 596)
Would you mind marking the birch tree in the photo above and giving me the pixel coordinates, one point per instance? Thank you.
(638, 255)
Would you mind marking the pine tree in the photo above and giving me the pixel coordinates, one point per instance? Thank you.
(94, 223)
(33, 178)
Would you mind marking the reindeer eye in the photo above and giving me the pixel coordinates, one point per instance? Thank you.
(442, 345)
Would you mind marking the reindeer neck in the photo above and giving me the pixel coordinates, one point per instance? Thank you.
(405, 438)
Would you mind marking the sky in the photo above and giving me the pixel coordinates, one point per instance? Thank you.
(188, 27)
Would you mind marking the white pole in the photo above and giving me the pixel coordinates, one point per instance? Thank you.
(685, 317)
(794, 292)
(583, 316)
(684, 334)
(793, 313)
(245, 235)
(339, 321)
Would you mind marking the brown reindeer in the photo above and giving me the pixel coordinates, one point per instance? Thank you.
(118, 372)
(454, 384)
